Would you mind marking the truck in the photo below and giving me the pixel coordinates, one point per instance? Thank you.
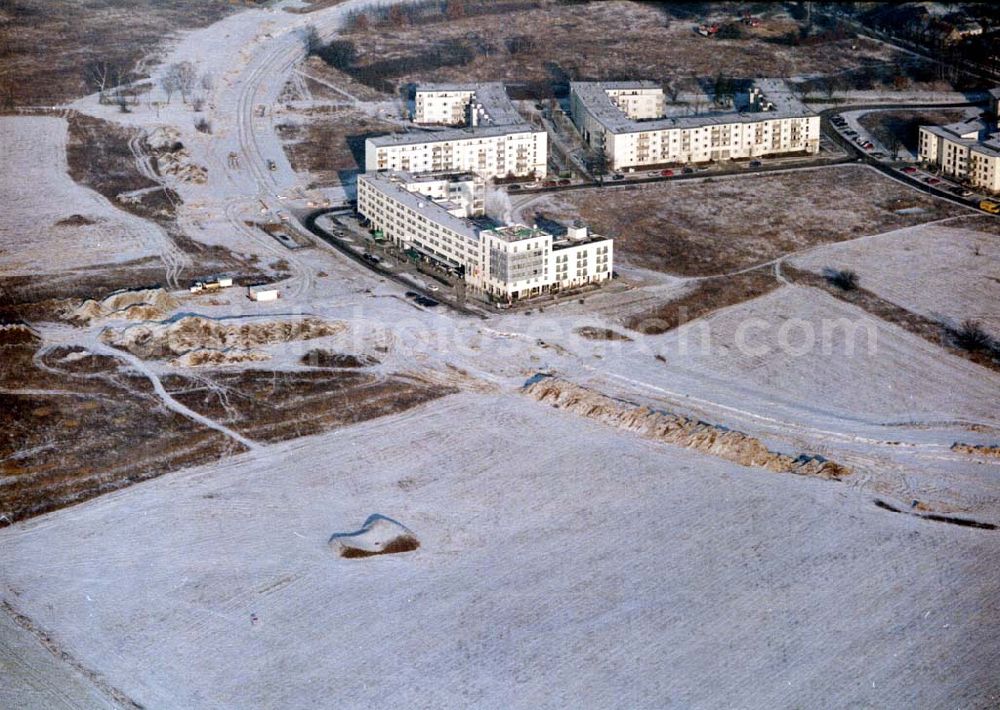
(990, 206)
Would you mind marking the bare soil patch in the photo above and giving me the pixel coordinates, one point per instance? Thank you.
(546, 43)
(707, 296)
(325, 358)
(330, 142)
(930, 330)
(271, 406)
(75, 425)
(904, 125)
(99, 157)
(46, 47)
(703, 228)
(593, 333)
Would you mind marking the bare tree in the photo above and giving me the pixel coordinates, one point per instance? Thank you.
(98, 74)
(187, 77)
(170, 82)
(207, 81)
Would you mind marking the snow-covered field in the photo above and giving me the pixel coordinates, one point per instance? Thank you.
(561, 563)
(940, 272)
(37, 192)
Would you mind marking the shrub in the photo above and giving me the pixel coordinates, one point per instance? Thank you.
(844, 279)
(970, 336)
(203, 125)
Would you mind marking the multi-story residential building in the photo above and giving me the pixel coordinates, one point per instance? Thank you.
(626, 121)
(501, 263)
(965, 151)
(485, 104)
(495, 142)
(490, 151)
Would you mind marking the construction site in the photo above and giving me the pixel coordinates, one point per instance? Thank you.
(332, 332)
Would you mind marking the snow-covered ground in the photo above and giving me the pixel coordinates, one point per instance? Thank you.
(561, 563)
(37, 192)
(937, 271)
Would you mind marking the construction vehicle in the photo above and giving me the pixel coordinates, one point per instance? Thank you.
(707, 30)
(990, 206)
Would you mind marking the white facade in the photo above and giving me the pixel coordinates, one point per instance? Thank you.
(495, 142)
(442, 107)
(958, 151)
(490, 152)
(625, 121)
(506, 263)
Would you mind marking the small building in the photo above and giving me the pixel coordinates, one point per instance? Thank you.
(263, 293)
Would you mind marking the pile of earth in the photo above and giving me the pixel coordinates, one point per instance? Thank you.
(146, 304)
(678, 430)
(173, 339)
(378, 536)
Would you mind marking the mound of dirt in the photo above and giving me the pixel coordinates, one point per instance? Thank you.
(324, 358)
(976, 449)
(146, 304)
(75, 220)
(678, 430)
(18, 334)
(378, 536)
(591, 333)
(204, 358)
(159, 341)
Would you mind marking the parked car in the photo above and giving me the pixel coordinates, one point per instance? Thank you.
(424, 301)
(549, 183)
(271, 165)
(909, 170)
(931, 180)
(411, 294)
(755, 163)
(370, 258)
(850, 132)
(564, 181)
(960, 191)
(617, 176)
(515, 186)
(434, 287)
(687, 171)
(667, 173)
(880, 155)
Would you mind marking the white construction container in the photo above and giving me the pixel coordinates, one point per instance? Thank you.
(262, 293)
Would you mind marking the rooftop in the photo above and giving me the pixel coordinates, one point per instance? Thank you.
(391, 185)
(452, 134)
(491, 98)
(518, 232)
(594, 96)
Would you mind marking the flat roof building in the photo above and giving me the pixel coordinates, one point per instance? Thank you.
(504, 263)
(626, 121)
(965, 150)
(494, 142)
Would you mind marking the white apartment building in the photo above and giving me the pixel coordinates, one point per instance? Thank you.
(485, 104)
(626, 121)
(502, 264)
(964, 151)
(492, 151)
(495, 142)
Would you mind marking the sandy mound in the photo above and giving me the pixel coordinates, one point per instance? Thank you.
(204, 358)
(678, 430)
(148, 304)
(191, 333)
(378, 536)
(172, 158)
(324, 358)
(18, 334)
(976, 449)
